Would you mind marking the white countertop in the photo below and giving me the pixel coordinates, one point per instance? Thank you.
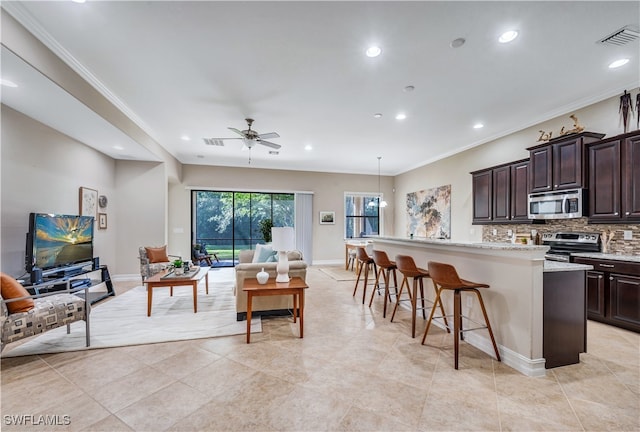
(629, 258)
(558, 266)
(468, 244)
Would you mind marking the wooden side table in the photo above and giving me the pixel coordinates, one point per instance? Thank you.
(295, 287)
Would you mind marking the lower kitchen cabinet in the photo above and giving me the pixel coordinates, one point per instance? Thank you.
(613, 292)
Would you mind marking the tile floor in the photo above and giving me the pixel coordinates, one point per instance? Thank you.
(353, 371)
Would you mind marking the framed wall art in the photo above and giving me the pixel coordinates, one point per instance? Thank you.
(327, 218)
(102, 221)
(88, 202)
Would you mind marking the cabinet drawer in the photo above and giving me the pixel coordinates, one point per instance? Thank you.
(611, 266)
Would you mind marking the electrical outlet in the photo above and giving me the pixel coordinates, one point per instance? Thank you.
(509, 233)
(628, 235)
(469, 301)
(495, 231)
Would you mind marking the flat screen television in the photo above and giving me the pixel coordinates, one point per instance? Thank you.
(56, 240)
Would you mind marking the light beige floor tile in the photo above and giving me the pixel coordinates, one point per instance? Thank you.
(363, 420)
(600, 417)
(109, 424)
(153, 353)
(164, 408)
(219, 376)
(185, 362)
(80, 411)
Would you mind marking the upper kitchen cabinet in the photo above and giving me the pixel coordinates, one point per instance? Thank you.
(560, 163)
(614, 179)
(500, 193)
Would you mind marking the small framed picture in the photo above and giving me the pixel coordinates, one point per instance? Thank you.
(88, 202)
(102, 221)
(327, 218)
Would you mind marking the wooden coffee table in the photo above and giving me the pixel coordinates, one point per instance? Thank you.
(295, 287)
(168, 279)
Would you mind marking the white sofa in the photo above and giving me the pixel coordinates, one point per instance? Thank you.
(268, 305)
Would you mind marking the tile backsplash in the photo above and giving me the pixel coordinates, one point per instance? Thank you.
(617, 246)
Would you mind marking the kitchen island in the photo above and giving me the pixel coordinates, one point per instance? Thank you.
(514, 300)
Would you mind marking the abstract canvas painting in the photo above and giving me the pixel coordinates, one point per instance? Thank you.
(429, 213)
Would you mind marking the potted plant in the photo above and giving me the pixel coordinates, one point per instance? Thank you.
(177, 265)
(265, 229)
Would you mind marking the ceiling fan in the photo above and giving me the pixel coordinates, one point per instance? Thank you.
(249, 136)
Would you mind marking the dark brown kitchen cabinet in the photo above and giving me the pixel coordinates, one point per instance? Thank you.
(624, 300)
(614, 179)
(560, 163)
(595, 295)
(613, 292)
(500, 193)
(482, 196)
(519, 191)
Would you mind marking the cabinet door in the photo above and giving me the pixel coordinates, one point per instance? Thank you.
(482, 195)
(631, 179)
(595, 295)
(567, 164)
(604, 181)
(519, 191)
(502, 194)
(624, 301)
(540, 170)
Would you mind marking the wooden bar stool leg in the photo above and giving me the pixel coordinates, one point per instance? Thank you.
(375, 285)
(386, 276)
(357, 281)
(457, 306)
(414, 307)
(424, 311)
(395, 308)
(439, 302)
(433, 310)
(486, 319)
(366, 281)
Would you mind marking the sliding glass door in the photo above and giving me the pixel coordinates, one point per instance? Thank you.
(228, 222)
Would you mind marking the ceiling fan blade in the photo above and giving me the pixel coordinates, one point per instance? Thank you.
(269, 135)
(239, 132)
(269, 144)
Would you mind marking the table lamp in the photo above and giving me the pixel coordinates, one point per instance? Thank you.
(282, 240)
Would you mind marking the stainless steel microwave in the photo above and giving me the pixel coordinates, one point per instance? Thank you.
(563, 204)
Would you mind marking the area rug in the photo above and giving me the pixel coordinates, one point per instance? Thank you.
(123, 320)
(340, 274)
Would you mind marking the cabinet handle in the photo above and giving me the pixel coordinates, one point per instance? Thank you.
(599, 276)
(607, 265)
(615, 214)
(627, 213)
(610, 277)
(555, 185)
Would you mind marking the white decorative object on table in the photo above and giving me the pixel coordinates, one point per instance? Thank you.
(283, 240)
(262, 277)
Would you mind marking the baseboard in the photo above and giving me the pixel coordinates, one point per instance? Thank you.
(327, 262)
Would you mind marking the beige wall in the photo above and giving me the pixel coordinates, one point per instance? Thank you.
(328, 195)
(600, 117)
(42, 171)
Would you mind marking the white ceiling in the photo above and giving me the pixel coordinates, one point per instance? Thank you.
(298, 68)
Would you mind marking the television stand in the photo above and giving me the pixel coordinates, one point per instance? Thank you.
(58, 281)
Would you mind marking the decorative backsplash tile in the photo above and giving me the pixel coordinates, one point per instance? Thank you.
(617, 246)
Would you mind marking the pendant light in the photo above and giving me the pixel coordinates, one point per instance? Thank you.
(382, 203)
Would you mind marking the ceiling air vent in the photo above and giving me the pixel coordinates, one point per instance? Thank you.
(213, 142)
(621, 37)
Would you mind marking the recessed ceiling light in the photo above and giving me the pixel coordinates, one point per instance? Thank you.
(408, 88)
(401, 116)
(200, 156)
(7, 83)
(377, 115)
(457, 43)
(117, 147)
(618, 63)
(308, 147)
(274, 152)
(478, 126)
(373, 51)
(508, 36)
(185, 138)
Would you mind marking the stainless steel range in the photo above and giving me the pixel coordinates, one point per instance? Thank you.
(563, 244)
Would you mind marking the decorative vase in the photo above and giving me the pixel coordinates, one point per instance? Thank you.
(262, 277)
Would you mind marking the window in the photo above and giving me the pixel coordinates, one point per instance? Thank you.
(228, 222)
(362, 214)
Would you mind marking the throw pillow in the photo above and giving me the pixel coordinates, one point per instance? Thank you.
(11, 289)
(262, 253)
(157, 254)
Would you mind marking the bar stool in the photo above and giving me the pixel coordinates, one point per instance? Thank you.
(352, 259)
(445, 277)
(364, 262)
(385, 267)
(407, 266)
